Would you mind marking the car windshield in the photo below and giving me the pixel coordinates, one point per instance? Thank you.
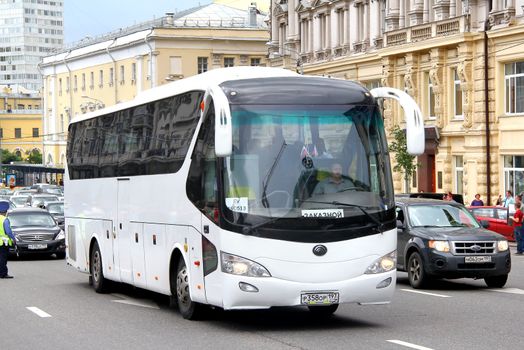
(440, 215)
(31, 219)
(306, 161)
(56, 208)
(19, 200)
(45, 199)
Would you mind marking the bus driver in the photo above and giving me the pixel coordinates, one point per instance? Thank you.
(335, 182)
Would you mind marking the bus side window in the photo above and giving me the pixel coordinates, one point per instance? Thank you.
(201, 184)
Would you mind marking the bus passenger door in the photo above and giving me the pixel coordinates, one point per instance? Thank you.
(122, 235)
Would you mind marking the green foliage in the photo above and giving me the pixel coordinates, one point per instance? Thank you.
(405, 161)
(34, 157)
(8, 157)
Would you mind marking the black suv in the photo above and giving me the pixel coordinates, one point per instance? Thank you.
(442, 239)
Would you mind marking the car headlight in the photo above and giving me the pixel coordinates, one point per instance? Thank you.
(439, 246)
(384, 264)
(60, 235)
(502, 246)
(237, 265)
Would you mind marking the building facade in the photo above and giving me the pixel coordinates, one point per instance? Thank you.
(29, 30)
(20, 120)
(460, 60)
(116, 67)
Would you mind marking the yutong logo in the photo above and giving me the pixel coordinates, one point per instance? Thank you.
(319, 250)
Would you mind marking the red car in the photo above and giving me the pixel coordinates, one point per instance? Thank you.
(498, 219)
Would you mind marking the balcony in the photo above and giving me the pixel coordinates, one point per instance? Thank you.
(426, 31)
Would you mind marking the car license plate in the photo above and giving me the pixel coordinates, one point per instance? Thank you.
(37, 246)
(327, 298)
(477, 259)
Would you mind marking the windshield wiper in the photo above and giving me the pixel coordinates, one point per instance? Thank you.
(265, 182)
(248, 229)
(362, 208)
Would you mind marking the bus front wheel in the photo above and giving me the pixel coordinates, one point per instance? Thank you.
(189, 309)
(97, 278)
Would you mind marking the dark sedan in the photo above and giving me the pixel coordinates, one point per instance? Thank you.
(442, 239)
(57, 210)
(36, 232)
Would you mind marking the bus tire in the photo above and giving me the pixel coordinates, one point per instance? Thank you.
(100, 284)
(189, 309)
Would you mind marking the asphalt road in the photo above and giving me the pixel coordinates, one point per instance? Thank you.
(48, 305)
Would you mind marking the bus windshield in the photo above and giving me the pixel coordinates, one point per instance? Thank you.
(320, 161)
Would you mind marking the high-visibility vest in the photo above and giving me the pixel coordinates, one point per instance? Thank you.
(2, 232)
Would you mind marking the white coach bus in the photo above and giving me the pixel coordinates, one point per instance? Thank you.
(241, 188)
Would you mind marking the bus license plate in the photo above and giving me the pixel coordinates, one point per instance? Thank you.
(319, 298)
(37, 246)
(477, 259)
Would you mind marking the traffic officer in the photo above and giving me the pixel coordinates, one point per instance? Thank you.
(6, 239)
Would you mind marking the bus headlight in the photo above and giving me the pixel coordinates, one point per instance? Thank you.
(239, 266)
(502, 246)
(439, 246)
(384, 264)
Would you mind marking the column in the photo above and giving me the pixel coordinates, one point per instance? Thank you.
(335, 41)
(327, 31)
(374, 26)
(365, 22)
(302, 36)
(317, 32)
(274, 29)
(425, 12)
(402, 14)
(310, 27)
(353, 23)
(346, 26)
(291, 32)
(452, 8)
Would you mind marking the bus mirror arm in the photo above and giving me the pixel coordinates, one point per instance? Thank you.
(414, 122)
(223, 123)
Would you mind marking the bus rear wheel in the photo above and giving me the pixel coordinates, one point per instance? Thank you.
(100, 284)
(189, 309)
(323, 311)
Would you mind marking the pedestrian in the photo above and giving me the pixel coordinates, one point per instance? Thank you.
(448, 197)
(509, 199)
(517, 227)
(498, 203)
(7, 239)
(477, 202)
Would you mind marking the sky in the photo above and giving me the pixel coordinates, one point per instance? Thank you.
(95, 17)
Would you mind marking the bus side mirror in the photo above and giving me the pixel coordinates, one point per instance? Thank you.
(415, 137)
(223, 122)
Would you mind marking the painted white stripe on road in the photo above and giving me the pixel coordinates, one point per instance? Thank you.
(37, 311)
(409, 345)
(426, 293)
(508, 290)
(135, 302)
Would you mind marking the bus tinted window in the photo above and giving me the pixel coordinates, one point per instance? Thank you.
(149, 139)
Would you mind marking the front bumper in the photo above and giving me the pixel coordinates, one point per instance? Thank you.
(51, 247)
(448, 265)
(277, 292)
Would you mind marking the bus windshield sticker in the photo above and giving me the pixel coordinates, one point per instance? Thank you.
(239, 205)
(323, 213)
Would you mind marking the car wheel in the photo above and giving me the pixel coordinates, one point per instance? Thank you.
(189, 309)
(100, 284)
(323, 311)
(496, 281)
(416, 274)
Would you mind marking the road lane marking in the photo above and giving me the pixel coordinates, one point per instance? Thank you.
(426, 293)
(508, 290)
(135, 302)
(409, 345)
(37, 311)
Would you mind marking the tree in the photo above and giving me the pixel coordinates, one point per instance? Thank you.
(8, 157)
(34, 157)
(405, 161)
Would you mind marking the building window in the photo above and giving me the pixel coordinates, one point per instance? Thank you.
(68, 84)
(75, 83)
(1, 133)
(35, 132)
(458, 96)
(514, 78)
(83, 82)
(111, 76)
(255, 62)
(133, 72)
(459, 174)
(92, 80)
(514, 174)
(122, 74)
(431, 99)
(101, 78)
(18, 133)
(60, 87)
(202, 65)
(175, 65)
(229, 62)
